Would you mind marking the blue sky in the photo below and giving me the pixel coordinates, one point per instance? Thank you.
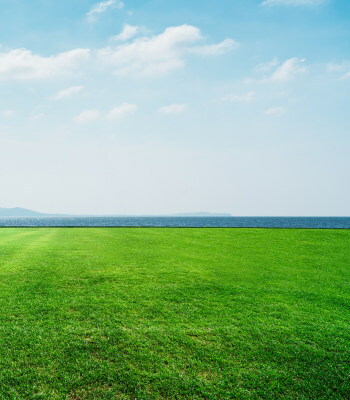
(152, 107)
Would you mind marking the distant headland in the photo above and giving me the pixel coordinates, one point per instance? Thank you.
(24, 212)
(19, 212)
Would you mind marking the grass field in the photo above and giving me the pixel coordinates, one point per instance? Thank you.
(174, 314)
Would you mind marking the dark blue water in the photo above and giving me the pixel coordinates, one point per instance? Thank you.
(190, 222)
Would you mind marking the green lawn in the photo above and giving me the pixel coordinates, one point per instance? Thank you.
(106, 313)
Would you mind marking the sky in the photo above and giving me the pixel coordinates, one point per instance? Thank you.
(159, 106)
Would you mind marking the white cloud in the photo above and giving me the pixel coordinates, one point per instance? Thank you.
(277, 95)
(275, 111)
(271, 3)
(145, 55)
(23, 64)
(149, 55)
(8, 113)
(87, 116)
(268, 66)
(343, 67)
(128, 32)
(160, 53)
(68, 92)
(36, 117)
(335, 67)
(282, 73)
(102, 7)
(215, 49)
(120, 111)
(236, 98)
(172, 109)
(288, 69)
(115, 113)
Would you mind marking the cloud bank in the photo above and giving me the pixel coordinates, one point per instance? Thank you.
(143, 56)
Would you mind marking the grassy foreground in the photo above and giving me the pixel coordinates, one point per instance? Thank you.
(174, 314)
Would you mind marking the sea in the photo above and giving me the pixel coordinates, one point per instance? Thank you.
(179, 222)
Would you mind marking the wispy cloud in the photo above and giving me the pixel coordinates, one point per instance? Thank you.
(116, 113)
(237, 98)
(267, 66)
(271, 3)
(128, 32)
(102, 7)
(279, 72)
(120, 111)
(216, 49)
(37, 117)
(172, 109)
(88, 116)
(343, 68)
(62, 94)
(287, 70)
(23, 64)
(335, 67)
(275, 111)
(8, 113)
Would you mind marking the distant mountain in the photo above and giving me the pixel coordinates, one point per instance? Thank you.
(24, 212)
(19, 212)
